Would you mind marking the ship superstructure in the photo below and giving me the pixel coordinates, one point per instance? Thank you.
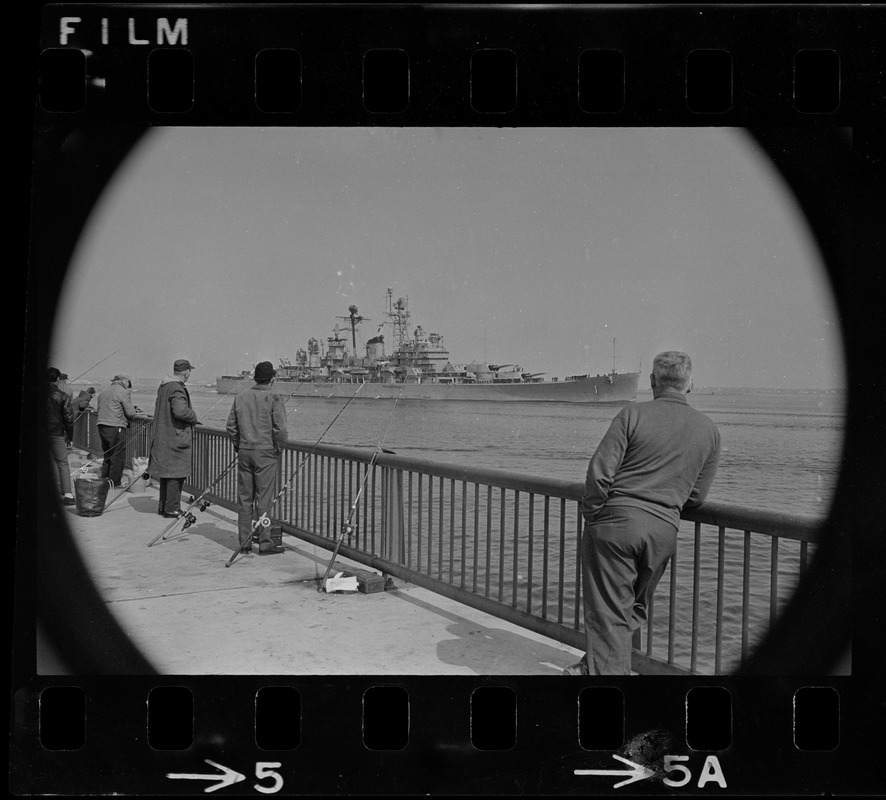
(419, 367)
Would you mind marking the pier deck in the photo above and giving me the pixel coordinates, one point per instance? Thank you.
(189, 615)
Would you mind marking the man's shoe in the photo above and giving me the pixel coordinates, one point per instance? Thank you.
(68, 499)
(246, 548)
(173, 514)
(272, 551)
(576, 669)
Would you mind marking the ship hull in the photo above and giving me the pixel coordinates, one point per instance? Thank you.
(620, 388)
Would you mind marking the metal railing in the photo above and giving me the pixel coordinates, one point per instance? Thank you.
(136, 439)
(509, 544)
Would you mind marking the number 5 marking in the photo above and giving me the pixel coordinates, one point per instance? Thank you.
(265, 769)
(671, 766)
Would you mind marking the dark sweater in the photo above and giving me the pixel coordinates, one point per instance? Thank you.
(659, 456)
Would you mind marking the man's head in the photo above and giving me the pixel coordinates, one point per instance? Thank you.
(182, 368)
(123, 380)
(671, 370)
(264, 372)
(52, 374)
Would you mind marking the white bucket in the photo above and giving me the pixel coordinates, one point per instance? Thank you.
(139, 467)
(137, 486)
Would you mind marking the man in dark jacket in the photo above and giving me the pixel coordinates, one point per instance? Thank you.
(83, 400)
(657, 458)
(115, 410)
(60, 430)
(169, 460)
(257, 427)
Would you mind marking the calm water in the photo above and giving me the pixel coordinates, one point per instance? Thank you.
(781, 452)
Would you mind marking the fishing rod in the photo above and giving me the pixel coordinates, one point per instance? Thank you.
(189, 518)
(187, 515)
(222, 399)
(347, 528)
(90, 370)
(123, 442)
(264, 520)
(124, 489)
(96, 364)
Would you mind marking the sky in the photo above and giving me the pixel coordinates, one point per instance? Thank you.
(557, 249)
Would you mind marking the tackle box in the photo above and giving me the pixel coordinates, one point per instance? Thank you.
(369, 582)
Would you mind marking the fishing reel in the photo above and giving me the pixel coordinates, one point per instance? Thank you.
(204, 505)
(190, 519)
(347, 528)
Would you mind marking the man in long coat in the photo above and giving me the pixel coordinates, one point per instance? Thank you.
(170, 456)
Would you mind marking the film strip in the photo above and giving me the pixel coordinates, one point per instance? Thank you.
(91, 715)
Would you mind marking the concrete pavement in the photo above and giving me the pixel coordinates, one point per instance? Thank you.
(188, 614)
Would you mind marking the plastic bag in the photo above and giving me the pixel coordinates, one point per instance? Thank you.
(91, 494)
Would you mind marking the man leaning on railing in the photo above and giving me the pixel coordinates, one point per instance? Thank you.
(655, 459)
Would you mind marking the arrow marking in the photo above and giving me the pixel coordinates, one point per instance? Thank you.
(636, 772)
(227, 778)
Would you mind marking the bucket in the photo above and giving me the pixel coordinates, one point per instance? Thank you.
(137, 485)
(90, 495)
(137, 480)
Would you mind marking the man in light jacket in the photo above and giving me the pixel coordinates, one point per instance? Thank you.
(257, 427)
(115, 410)
(656, 459)
(169, 460)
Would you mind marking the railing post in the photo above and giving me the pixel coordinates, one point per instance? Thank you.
(392, 546)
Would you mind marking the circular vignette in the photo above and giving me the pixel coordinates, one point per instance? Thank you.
(812, 636)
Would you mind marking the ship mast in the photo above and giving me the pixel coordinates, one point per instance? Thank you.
(354, 319)
(398, 314)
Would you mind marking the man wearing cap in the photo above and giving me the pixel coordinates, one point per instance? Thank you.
(169, 459)
(257, 427)
(83, 400)
(115, 410)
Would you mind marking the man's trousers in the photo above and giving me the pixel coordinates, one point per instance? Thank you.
(114, 449)
(170, 495)
(256, 479)
(624, 554)
(58, 448)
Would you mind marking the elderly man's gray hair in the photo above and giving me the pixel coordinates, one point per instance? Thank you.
(673, 369)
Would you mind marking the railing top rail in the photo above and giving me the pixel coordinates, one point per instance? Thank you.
(728, 515)
(804, 528)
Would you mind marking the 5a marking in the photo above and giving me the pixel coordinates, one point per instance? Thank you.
(228, 776)
(711, 771)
